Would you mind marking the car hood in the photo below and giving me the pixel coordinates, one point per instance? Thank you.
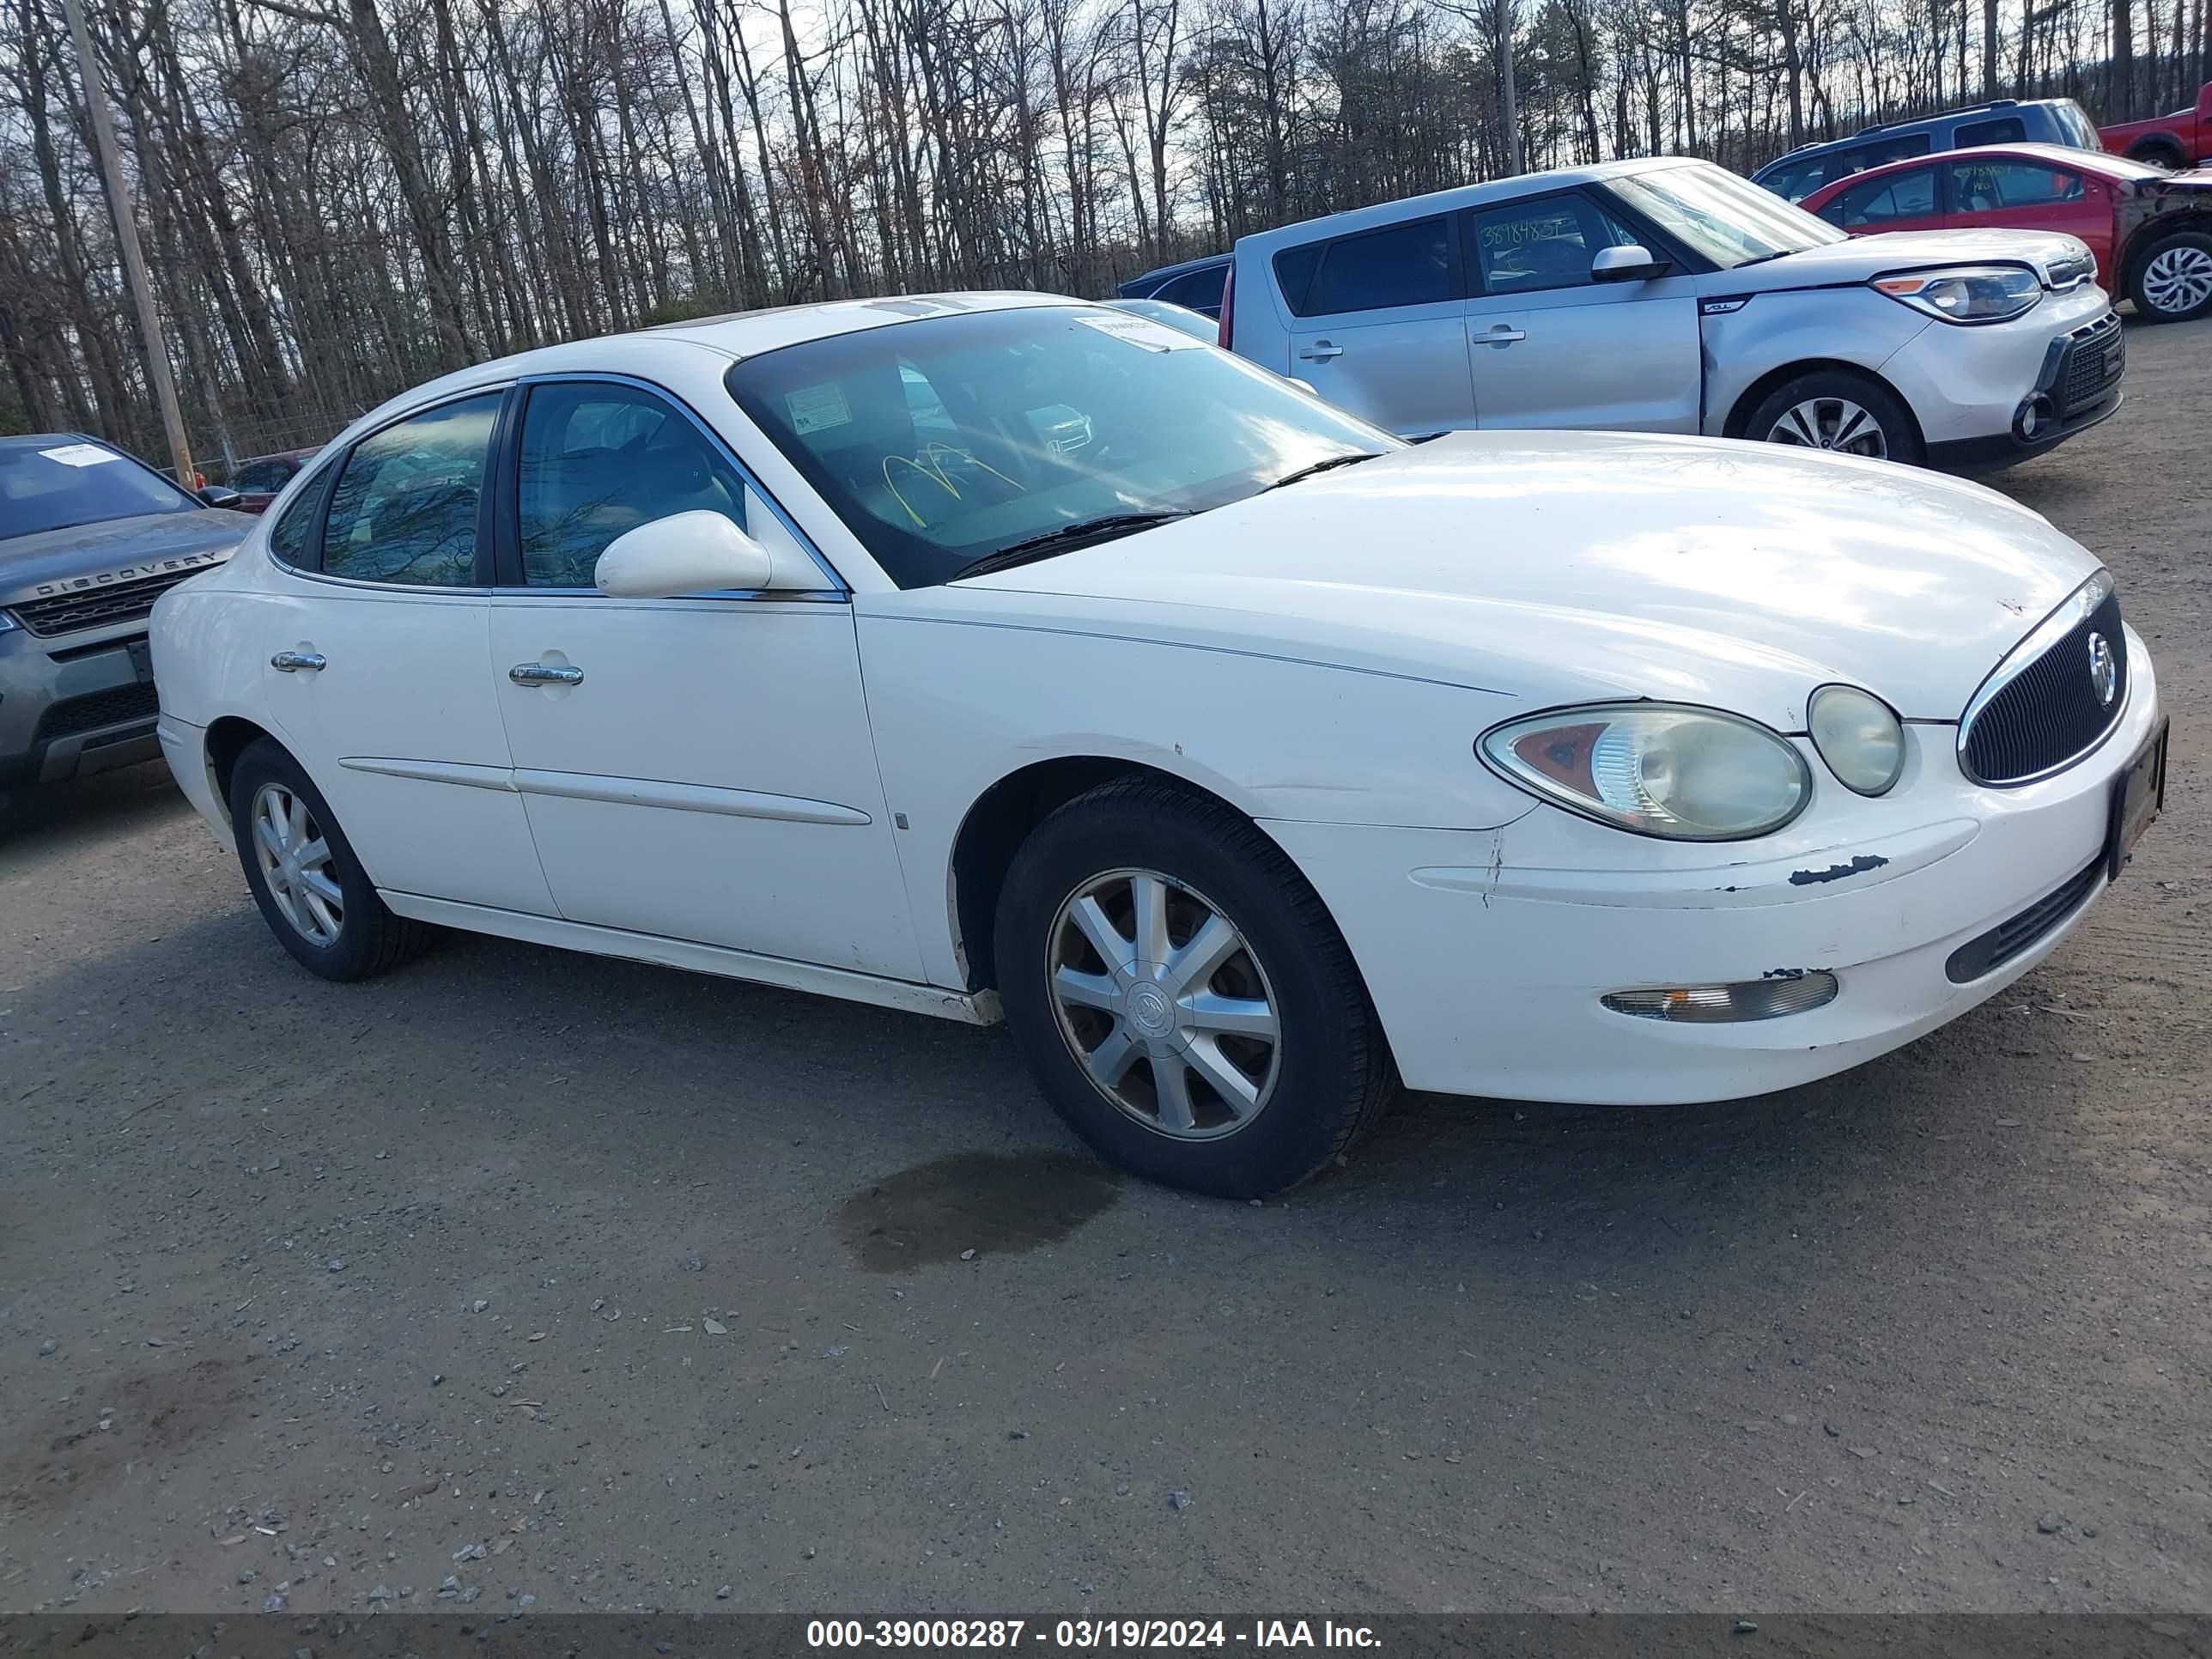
(1865, 257)
(1560, 567)
(116, 551)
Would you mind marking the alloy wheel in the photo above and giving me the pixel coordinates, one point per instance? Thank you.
(295, 862)
(1836, 423)
(1163, 1004)
(2177, 280)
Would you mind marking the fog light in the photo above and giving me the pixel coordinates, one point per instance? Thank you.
(2033, 414)
(1794, 993)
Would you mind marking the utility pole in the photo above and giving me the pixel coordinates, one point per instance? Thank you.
(126, 239)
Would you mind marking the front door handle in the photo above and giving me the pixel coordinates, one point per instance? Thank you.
(291, 662)
(1320, 351)
(1500, 335)
(545, 674)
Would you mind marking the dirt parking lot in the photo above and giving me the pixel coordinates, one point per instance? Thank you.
(570, 1284)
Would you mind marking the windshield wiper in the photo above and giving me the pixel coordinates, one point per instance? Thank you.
(1761, 259)
(1066, 539)
(1322, 466)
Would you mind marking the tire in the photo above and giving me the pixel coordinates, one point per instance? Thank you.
(2158, 153)
(2171, 281)
(1815, 410)
(344, 932)
(1305, 1095)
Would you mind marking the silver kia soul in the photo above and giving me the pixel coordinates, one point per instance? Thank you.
(1667, 295)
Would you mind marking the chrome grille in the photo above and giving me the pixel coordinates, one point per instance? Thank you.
(96, 607)
(2041, 709)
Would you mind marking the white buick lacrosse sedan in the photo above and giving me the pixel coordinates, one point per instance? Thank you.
(1006, 654)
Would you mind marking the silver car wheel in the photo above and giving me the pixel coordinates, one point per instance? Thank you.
(1163, 1004)
(296, 864)
(1835, 424)
(2177, 280)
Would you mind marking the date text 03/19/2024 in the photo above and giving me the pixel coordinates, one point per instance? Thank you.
(1086, 1633)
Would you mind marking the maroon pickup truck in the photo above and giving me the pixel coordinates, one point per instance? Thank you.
(2180, 140)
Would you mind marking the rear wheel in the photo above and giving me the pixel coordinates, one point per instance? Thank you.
(2158, 153)
(1833, 410)
(1182, 995)
(2171, 281)
(311, 889)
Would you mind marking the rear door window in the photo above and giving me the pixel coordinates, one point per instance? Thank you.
(1884, 200)
(1407, 264)
(2006, 131)
(406, 506)
(1199, 291)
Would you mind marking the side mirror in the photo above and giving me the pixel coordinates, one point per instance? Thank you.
(220, 496)
(696, 552)
(1630, 264)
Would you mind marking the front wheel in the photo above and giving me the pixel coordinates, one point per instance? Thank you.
(2173, 283)
(1182, 995)
(1831, 410)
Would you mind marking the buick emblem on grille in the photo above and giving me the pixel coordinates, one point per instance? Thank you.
(2104, 672)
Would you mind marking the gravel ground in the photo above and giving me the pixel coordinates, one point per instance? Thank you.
(570, 1283)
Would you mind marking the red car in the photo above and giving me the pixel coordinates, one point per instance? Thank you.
(258, 481)
(2150, 229)
(2180, 140)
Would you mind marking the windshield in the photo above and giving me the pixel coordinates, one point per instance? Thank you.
(950, 439)
(1731, 221)
(57, 482)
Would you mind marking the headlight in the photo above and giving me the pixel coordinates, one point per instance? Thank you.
(1859, 736)
(7, 621)
(1967, 293)
(1655, 768)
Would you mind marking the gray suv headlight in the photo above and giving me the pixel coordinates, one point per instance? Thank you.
(1967, 294)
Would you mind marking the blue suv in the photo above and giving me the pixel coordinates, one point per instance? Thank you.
(2006, 121)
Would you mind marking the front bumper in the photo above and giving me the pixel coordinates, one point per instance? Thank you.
(1486, 951)
(1968, 386)
(73, 705)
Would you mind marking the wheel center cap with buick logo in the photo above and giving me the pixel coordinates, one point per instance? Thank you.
(2104, 672)
(1150, 1010)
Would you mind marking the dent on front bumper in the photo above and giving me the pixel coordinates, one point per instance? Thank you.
(1486, 952)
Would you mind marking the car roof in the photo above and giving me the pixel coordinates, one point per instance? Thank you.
(1161, 273)
(2082, 161)
(39, 440)
(1914, 123)
(1462, 196)
(734, 335)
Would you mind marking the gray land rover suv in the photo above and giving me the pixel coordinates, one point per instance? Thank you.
(89, 538)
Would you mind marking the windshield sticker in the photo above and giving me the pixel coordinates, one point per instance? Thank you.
(816, 408)
(1143, 332)
(79, 454)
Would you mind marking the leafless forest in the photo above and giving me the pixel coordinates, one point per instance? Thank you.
(340, 197)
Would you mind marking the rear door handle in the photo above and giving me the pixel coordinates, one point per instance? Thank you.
(291, 662)
(1320, 351)
(545, 674)
(1500, 335)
